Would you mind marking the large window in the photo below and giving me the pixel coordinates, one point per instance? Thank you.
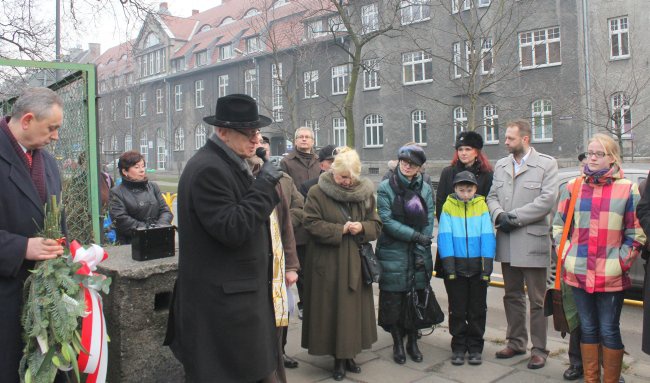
(223, 85)
(144, 147)
(128, 142)
(152, 63)
(369, 18)
(417, 67)
(456, 59)
(310, 83)
(315, 29)
(201, 58)
(250, 83)
(419, 126)
(179, 139)
(414, 11)
(161, 149)
(490, 124)
(128, 107)
(467, 4)
(199, 136)
(114, 109)
(159, 101)
(338, 125)
(374, 128)
(460, 120)
(178, 64)
(315, 126)
(340, 79)
(540, 48)
(619, 35)
(198, 93)
(621, 114)
(487, 59)
(253, 44)
(542, 120)
(276, 92)
(143, 104)
(178, 97)
(371, 75)
(225, 52)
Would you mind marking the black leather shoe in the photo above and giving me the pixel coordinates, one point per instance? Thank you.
(412, 347)
(289, 362)
(474, 358)
(351, 366)
(458, 358)
(573, 373)
(339, 369)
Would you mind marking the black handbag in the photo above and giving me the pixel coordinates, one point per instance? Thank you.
(370, 267)
(422, 309)
(153, 242)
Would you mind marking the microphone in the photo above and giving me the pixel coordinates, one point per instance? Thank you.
(261, 153)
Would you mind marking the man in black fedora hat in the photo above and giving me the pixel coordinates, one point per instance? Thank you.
(221, 323)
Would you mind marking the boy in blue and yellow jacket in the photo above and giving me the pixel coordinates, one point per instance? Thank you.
(466, 247)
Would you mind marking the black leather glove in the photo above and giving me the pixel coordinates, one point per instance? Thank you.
(270, 172)
(421, 239)
(506, 222)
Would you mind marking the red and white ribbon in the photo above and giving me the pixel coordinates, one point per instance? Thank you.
(93, 326)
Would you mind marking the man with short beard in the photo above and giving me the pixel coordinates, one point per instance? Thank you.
(523, 193)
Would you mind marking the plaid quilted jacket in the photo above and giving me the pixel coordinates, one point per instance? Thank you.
(606, 233)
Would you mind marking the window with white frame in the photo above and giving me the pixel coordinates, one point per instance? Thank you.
(338, 126)
(201, 58)
(484, 3)
(178, 97)
(315, 29)
(253, 44)
(178, 64)
(490, 124)
(487, 60)
(469, 50)
(161, 149)
(114, 109)
(198, 93)
(143, 104)
(250, 83)
(115, 146)
(413, 11)
(340, 79)
(542, 125)
(419, 126)
(144, 147)
(152, 63)
(315, 126)
(540, 48)
(335, 24)
(369, 18)
(374, 129)
(225, 52)
(159, 101)
(223, 85)
(371, 74)
(417, 67)
(310, 83)
(128, 142)
(199, 136)
(128, 107)
(619, 35)
(276, 92)
(179, 139)
(456, 60)
(460, 120)
(621, 114)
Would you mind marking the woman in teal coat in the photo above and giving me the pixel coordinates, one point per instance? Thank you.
(406, 208)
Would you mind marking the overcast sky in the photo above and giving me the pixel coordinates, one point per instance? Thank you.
(111, 30)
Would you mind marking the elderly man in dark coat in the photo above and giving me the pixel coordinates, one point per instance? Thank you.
(28, 176)
(221, 323)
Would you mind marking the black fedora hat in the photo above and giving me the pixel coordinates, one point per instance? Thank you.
(237, 111)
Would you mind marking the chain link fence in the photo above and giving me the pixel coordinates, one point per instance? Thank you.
(76, 149)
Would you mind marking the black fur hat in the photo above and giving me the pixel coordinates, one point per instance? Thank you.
(469, 138)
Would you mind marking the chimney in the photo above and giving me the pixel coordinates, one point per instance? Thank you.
(95, 50)
(194, 11)
(163, 9)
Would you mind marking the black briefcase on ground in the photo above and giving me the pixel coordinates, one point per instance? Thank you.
(153, 242)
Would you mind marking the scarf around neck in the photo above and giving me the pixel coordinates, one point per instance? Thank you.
(408, 206)
(602, 176)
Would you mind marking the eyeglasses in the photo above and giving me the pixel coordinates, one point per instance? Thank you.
(409, 163)
(304, 138)
(596, 154)
(250, 134)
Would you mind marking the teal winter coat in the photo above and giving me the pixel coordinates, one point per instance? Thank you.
(394, 247)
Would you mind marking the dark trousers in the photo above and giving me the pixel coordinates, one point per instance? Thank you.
(302, 252)
(467, 313)
(575, 356)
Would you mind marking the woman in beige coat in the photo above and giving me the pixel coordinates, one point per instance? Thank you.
(339, 312)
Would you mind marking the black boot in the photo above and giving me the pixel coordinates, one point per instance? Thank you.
(351, 366)
(339, 369)
(398, 345)
(412, 346)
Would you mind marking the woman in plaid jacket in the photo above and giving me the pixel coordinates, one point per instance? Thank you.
(605, 239)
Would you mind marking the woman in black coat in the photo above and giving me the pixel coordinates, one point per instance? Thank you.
(468, 156)
(136, 202)
(643, 213)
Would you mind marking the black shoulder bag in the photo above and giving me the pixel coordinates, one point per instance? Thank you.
(422, 308)
(370, 267)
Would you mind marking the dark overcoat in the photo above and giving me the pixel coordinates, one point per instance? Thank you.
(643, 213)
(221, 324)
(339, 312)
(21, 209)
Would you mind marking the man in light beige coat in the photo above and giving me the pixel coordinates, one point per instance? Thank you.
(524, 191)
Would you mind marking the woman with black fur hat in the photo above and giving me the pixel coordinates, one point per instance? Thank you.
(468, 156)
